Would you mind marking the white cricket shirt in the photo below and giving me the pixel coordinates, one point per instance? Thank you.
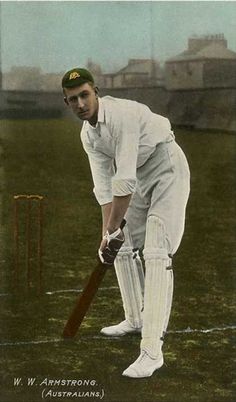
(125, 136)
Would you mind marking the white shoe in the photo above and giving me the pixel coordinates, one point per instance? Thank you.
(144, 366)
(120, 329)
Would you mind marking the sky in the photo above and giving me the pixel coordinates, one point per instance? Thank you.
(59, 35)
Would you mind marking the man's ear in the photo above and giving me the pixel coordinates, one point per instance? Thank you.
(96, 90)
(66, 101)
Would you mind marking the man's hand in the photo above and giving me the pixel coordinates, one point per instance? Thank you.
(110, 245)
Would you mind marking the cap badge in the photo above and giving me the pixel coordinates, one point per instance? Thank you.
(74, 75)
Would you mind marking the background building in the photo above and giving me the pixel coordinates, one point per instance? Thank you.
(138, 73)
(199, 90)
(207, 63)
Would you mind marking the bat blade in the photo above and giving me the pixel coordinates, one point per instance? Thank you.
(84, 301)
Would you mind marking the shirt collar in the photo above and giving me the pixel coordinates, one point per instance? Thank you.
(101, 115)
(101, 111)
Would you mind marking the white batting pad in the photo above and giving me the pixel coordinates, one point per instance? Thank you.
(158, 288)
(129, 272)
(169, 295)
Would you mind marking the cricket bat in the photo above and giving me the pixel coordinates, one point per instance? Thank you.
(84, 301)
(86, 298)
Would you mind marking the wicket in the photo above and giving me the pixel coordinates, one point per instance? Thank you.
(38, 221)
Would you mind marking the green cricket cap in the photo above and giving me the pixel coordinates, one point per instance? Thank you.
(76, 77)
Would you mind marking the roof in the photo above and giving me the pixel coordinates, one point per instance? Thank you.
(212, 51)
(139, 66)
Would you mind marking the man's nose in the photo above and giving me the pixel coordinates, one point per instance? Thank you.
(80, 102)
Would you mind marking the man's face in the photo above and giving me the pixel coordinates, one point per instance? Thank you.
(83, 102)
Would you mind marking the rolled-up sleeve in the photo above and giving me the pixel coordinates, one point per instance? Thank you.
(102, 169)
(127, 142)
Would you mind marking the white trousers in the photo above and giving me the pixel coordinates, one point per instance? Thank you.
(163, 187)
(156, 220)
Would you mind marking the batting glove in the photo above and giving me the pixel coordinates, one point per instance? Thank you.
(114, 243)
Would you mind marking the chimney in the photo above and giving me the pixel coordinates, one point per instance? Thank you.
(195, 44)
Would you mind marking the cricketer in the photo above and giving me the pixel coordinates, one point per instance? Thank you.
(141, 174)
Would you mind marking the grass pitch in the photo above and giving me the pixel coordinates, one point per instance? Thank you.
(45, 157)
